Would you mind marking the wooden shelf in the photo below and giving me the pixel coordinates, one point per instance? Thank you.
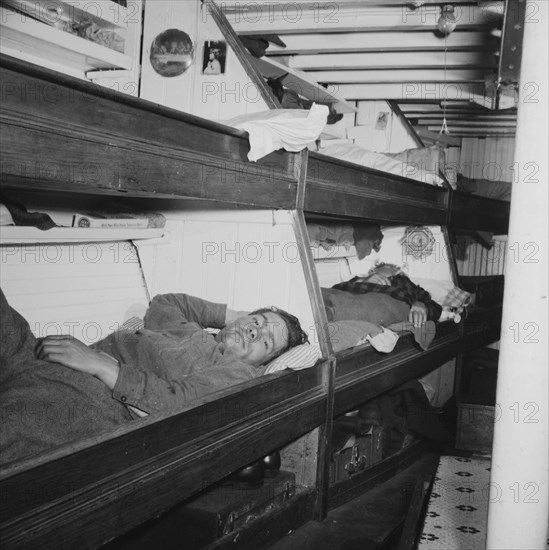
(28, 235)
(32, 40)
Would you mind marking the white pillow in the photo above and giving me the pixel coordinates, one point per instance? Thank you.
(300, 357)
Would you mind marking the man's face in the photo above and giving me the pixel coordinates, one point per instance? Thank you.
(386, 270)
(256, 338)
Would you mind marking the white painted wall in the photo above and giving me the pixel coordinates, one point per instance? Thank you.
(248, 259)
(393, 250)
(392, 137)
(490, 158)
(83, 289)
(214, 97)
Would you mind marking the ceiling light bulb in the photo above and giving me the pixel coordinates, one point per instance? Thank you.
(447, 21)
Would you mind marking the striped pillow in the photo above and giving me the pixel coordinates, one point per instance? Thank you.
(300, 357)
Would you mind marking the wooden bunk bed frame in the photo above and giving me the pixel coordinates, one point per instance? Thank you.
(96, 492)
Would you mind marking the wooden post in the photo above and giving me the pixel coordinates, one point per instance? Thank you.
(519, 498)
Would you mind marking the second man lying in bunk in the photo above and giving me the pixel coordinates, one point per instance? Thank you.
(57, 389)
(383, 297)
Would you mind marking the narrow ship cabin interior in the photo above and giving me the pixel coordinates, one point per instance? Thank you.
(254, 262)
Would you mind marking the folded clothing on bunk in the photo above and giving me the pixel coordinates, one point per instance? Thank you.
(445, 293)
(390, 163)
(366, 237)
(500, 190)
(346, 334)
(18, 215)
(289, 129)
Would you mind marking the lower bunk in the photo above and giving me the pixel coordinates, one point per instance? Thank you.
(87, 493)
(90, 493)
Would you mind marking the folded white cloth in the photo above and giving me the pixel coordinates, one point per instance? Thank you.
(289, 129)
(384, 341)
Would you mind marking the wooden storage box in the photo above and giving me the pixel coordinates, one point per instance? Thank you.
(215, 512)
(364, 452)
(475, 424)
(225, 508)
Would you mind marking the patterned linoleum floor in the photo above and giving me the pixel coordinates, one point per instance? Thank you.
(457, 512)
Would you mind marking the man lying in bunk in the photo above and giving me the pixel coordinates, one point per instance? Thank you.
(57, 389)
(386, 297)
(388, 280)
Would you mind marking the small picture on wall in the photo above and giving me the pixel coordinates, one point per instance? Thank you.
(215, 54)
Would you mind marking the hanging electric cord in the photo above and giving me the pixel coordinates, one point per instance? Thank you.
(444, 128)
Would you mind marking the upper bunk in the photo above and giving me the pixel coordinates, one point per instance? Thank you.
(340, 187)
(63, 134)
(468, 212)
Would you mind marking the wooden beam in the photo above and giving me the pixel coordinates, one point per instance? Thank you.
(410, 90)
(473, 123)
(457, 131)
(231, 5)
(393, 60)
(295, 18)
(390, 41)
(511, 40)
(451, 140)
(402, 75)
(465, 106)
(456, 115)
(467, 102)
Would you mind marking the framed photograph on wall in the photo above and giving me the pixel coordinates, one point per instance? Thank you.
(215, 55)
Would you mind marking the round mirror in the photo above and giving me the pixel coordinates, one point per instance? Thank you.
(172, 52)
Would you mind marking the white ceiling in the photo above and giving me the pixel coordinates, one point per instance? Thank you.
(392, 50)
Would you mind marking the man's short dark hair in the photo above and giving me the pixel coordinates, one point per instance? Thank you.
(296, 335)
(398, 269)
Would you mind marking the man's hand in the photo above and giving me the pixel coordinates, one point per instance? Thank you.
(418, 314)
(378, 279)
(72, 353)
(232, 315)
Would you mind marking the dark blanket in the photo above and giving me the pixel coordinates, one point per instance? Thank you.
(376, 308)
(43, 403)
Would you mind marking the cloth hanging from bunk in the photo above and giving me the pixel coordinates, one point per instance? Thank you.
(367, 238)
(289, 129)
(21, 216)
(257, 45)
(420, 414)
(423, 335)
